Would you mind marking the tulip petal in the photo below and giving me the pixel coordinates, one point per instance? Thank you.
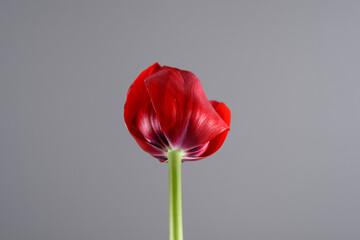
(149, 126)
(195, 153)
(136, 99)
(153, 151)
(216, 143)
(185, 114)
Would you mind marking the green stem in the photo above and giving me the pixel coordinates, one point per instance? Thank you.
(175, 208)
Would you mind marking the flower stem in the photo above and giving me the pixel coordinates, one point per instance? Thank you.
(175, 206)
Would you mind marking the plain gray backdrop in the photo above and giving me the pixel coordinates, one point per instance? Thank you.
(288, 70)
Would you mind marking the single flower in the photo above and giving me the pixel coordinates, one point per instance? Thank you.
(166, 109)
(168, 114)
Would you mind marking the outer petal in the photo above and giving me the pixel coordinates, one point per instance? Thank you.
(216, 143)
(153, 151)
(185, 114)
(137, 97)
(148, 124)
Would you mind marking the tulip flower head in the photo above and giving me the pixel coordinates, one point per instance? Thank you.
(167, 109)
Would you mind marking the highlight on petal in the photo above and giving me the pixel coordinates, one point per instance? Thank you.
(185, 114)
(153, 151)
(149, 126)
(195, 153)
(217, 142)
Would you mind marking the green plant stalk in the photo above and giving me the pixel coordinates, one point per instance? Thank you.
(175, 206)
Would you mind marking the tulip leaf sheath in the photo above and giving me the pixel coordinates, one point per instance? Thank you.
(175, 205)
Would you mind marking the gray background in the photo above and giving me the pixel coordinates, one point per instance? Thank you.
(288, 70)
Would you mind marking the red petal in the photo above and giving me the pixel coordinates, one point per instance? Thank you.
(136, 98)
(153, 151)
(216, 143)
(185, 114)
(149, 126)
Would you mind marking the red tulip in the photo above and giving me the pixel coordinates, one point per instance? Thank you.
(166, 109)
